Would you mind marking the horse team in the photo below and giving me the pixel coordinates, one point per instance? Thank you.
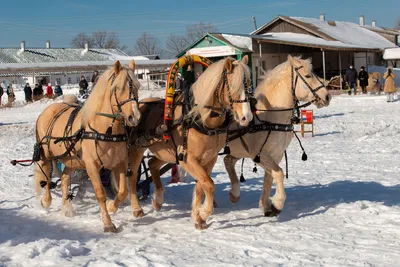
(95, 136)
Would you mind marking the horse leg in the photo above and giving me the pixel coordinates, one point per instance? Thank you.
(234, 194)
(204, 186)
(136, 156)
(264, 202)
(119, 173)
(43, 173)
(273, 171)
(158, 198)
(94, 174)
(67, 209)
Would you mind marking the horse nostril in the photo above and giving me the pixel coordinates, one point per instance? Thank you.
(130, 119)
(244, 119)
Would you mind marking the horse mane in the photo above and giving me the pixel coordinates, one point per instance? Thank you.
(206, 85)
(279, 78)
(94, 103)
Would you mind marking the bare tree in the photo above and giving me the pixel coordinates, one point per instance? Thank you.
(176, 43)
(103, 39)
(398, 24)
(147, 44)
(196, 31)
(80, 40)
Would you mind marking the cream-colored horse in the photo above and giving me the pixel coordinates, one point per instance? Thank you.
(202, 149)
(275, 93)
(101, 139)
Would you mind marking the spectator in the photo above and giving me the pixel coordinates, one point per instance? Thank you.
(10, 93)
(351, 79)
(95, 77)
(83, 85)
(390, 87)
(28, 93)
(49, 91)
(179, 82)
(58, 91)
(363, 78)
(1, 91)
(37, 93)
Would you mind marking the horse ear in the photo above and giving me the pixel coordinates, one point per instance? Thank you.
(228, 64)
(132, 65)
(117, 67)
(245, 59)
(293, 60)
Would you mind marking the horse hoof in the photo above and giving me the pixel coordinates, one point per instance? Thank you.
(201, 225)
(138, 213)
(110, 229)
(232, 198)
(273, 212)
(69, 212)
(111, 207)
(156, 206)
(45, 204)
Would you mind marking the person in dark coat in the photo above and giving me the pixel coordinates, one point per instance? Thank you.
(363, 78)
(58, 91)
(351, 79)
(1, 92)
(95, 77)
(28, 93)
(83, 85)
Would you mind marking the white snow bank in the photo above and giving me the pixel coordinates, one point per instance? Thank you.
(342, 206)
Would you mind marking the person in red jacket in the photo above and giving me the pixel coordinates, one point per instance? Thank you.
(49, 91)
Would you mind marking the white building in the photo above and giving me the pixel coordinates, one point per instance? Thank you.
(35, 65)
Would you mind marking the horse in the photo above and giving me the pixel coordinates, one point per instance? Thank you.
(90, 137)
(276, 96)
(219, 93)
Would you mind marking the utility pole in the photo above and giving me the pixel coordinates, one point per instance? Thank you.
(255, 23)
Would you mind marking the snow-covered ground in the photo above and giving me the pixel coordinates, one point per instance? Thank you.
(342, 207)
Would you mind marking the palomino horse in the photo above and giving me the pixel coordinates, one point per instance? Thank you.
(90, 138)
(219, 92)
(292, 80)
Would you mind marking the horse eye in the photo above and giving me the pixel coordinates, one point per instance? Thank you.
(308, 76)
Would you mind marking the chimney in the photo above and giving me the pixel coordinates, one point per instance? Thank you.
(322, 17)
(22, 46)
(374, 23)
(362, 20)
(48, 44)
(85, 50)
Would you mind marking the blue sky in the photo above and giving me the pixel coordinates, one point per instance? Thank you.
(59, 21)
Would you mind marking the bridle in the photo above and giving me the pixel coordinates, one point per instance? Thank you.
(297, 107)
(219, 93)
(131, 98)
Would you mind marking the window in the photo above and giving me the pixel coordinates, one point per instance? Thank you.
(69, 80)
(58, 81)
(77, 79)
(140, 76)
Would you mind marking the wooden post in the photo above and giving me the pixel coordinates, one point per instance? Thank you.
(366, 61)
(340, 70)
(323, 64)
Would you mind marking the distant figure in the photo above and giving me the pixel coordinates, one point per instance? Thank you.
(58, 91)
(1, 91)
(95, 77)
(49, 91)
(10, 93)
(28, 93)
(37, 93)
(390, 87)
(83, 85)
(363, 78)
(351, 79)
(179, 82)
